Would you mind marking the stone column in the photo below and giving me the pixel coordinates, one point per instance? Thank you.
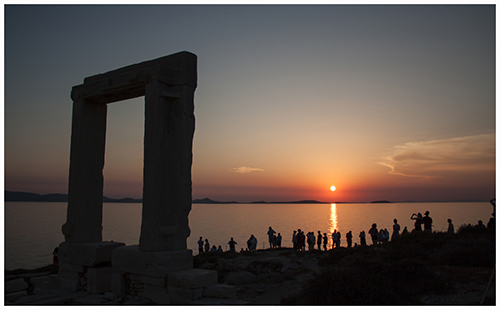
(88, 136)
(168, 139)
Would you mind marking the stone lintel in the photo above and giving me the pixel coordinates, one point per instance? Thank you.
(129, 82)
(158, 264)
(87, 254)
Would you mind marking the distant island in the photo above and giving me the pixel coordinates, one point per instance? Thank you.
(32, 197)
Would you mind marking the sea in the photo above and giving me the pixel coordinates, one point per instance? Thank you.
(33, 229)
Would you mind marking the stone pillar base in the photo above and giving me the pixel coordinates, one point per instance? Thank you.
(157, 264)
(77, 258)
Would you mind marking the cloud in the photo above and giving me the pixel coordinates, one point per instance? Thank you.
(437, 158)
(244, 169)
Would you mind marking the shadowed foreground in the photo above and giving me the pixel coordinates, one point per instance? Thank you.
(419, 269)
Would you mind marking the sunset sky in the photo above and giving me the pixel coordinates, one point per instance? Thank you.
(384, 102)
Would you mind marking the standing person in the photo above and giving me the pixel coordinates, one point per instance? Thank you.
(362, 238)
(200, 245)
(294, 240)
(249, 243)
(325, 241)
(349, 239)
(427, 221)
(207, 245)
(253, 242)
(232, 245)
(271, 233)
(319, 240)
(301, 240)
(374, 234)
(335, 239)
(311, 240)
(418, 221)
(338, 238)
(278, 240)
(395, 230)
(451, 228)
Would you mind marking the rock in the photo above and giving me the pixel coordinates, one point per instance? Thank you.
(15, 285)
(240, 277)
(15, 296)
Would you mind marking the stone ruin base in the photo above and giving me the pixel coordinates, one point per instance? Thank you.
(124, 272)
(86, 266)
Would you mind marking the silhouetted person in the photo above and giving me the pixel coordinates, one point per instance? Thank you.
(232, 245)
(207, 245)
(312, 239)
(385, 235)
(294, 240)
(320, 238)
(213, 249)
(335, 239)
(451, 228)
(278, 240)
(374, 233)
(200, 245)
(301, 240)
(427, 221)
(219, 249)
(253, 243)
(270, 234)
(418, 221)
(395, 230)
(480, 226)
(491, 224)
(362, 238)
(55, 258)
(338, 238)
(349, 239)
(325, 241)
(405, 231)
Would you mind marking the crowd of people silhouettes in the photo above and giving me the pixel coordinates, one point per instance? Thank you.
(320, 241)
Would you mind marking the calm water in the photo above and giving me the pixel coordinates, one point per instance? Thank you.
(33, 230)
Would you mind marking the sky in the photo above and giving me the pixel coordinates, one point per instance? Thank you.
(385, 102)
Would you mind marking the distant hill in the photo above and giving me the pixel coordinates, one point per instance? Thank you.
(208, 200)
(290, 202)
(32, 197)
(381, 201)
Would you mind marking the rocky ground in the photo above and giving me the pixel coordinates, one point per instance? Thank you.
(266, 277)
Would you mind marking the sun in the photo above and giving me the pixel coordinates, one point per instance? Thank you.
(333, 188)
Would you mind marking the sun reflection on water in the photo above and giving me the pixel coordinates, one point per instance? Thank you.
(333, 225)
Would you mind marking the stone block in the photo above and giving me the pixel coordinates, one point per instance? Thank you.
(87, 254)
(68, 274)
(157, 264)
(154, 289)
(149, 280)
(184, 295)
(99, 280)
(12, 297)
(220, 291)
(69, 284)
(15, 285)
(119, 284)
(45, 284)
(72, 267)
(192, 278)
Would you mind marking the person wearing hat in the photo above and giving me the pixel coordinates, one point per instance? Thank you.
(427, 221)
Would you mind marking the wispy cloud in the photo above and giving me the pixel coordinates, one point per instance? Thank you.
(244, 169)
(431, 159)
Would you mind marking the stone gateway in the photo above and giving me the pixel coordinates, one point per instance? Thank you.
(161, 264)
